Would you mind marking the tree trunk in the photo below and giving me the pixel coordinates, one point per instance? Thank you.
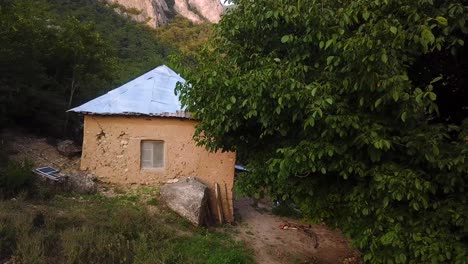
(73, 87)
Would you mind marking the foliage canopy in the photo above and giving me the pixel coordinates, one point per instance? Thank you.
(354, 110)
(56, 54)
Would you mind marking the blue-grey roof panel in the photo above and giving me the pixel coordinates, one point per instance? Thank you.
(150, 94)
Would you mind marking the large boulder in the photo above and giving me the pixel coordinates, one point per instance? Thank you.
(68, 148)
(189, 198)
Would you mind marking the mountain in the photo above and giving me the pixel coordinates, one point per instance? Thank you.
(158, 12)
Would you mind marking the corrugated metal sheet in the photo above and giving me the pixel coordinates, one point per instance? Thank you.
(151, 94)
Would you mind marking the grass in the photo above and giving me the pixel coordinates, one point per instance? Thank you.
(95, 229)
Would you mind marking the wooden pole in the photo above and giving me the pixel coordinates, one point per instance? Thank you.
(219, 203)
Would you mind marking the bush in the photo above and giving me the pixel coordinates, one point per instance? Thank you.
(16, 177)
(352, 110)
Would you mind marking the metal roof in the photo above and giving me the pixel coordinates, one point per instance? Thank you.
(151, 94)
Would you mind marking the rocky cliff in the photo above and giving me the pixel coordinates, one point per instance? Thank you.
(158, 12)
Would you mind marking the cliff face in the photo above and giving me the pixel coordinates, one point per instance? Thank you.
(158, 12)
(200, 10)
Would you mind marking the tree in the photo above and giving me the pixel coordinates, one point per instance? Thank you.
(334, 106)
(44, 60)
(84, 59)
(24, 35)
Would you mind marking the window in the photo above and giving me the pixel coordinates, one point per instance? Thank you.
(152, 154)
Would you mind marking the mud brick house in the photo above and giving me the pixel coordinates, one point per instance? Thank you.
(139, 134)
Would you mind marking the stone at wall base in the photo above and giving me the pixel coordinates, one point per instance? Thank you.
(68, 148)
(189, 198)
(82, 183)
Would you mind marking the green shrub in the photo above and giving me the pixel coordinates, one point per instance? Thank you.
(351, 109)
(7, 240)
(16, 177)
(286, 209)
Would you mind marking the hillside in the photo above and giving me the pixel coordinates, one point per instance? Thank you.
(60, 53)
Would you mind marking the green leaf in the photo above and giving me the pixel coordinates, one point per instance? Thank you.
(435, 150)
(387, 238)
(427, 36)
(314, 91)
(329, 101)
(442, 21)
(436, 79)
(393, 29)
(378, 102)
(233, 99)
(403, 117)
(285, 39)
(402, 258)
(385, 202)
(384, 58)
(329, 42)
(365, 15)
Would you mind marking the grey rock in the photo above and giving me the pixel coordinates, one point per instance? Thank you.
(189, 198)
(155, 13)
(81, 183)
(68, 148)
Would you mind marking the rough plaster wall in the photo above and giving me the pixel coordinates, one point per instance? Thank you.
(111, 150)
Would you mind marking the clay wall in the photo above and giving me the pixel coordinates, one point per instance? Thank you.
(111, 151)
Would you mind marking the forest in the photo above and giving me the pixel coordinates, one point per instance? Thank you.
(58, 54)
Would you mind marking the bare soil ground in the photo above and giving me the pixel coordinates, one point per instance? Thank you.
(39, 150)
(273, 245)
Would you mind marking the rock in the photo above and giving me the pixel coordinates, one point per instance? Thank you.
(81, 183)
(199, 11)
(172, 181)
(68, 148)
(91, 176)
(155, 13)
(189, 198)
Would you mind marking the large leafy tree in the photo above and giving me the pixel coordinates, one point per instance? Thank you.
(45, 61)
(85, 59)
(353, 110)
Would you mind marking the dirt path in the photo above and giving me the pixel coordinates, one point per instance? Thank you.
(273, 245)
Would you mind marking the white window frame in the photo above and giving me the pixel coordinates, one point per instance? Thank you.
(144, 163)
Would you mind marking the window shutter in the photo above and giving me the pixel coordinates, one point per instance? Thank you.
(146, 155)
(158, 154)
